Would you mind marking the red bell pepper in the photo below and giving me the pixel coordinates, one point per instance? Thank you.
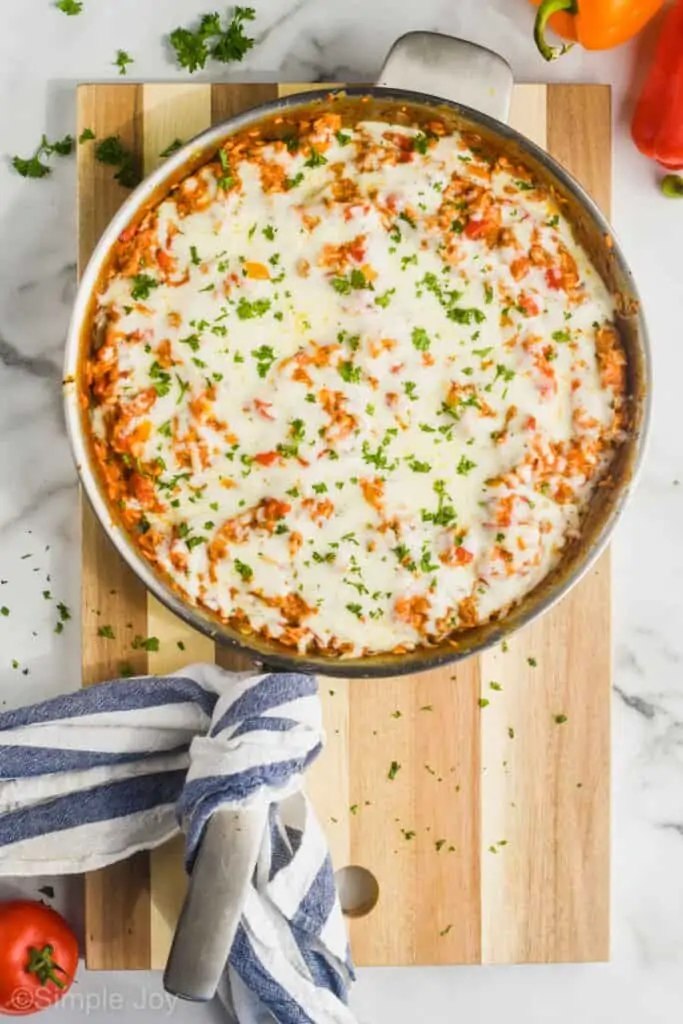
(657, 126)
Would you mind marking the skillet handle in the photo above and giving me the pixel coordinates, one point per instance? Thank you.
(219, 885)
(451, 68)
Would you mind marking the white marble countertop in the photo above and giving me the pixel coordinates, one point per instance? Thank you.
(43, 54)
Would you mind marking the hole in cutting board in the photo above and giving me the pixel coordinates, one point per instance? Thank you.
(358, 890)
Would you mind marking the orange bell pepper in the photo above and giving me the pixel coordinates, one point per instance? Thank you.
(596, 24)
(657, 126)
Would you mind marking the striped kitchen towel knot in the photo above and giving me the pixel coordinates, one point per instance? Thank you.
(92, 777)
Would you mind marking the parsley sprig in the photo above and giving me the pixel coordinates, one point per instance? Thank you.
(34, 167)
(211, 39)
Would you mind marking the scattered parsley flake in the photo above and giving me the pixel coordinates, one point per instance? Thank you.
(86, 135)
(396, 714)
(172, 148)
(495, 686)
(445, 931)
(560, 719)
(342, 138)
(394, 769)
(107, 632)
(483, 702)
(122, 61)
(354, 808)
(427, 707)
(511, 732)
(439, 844)
(465, 466)
(421, 339)
(532, 662)
(70, 7)
(141, 643)
(142, 286)
(245, 571)
(4, 610)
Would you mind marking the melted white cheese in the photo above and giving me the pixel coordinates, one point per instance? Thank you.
(428, 395)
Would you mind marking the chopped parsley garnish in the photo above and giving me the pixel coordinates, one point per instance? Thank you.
(194, 256)
(421, 339)
(342, 138)
(70, 7)
(145, 643)
(407, 261)
(524, 186)
(291, 183)
(407, 218)
(142, 286)
(172, 147)
(384, 300)
(457, 226)
(483, 702)
(394, 769)
(409, 388)
(33, 167)
(316, 159)
(86, 135)
(552, 222)
(4, 610)
(247, 310)
(245, 571)
(445, 513)
(356, 279)
(421, 143)
(466, 316)
(107, 632)
(561, 336)
(348, 372)
(211, 39)
(511, 732)
(226, 179)
(355, 609)
(532, 662)
(445, 931)
(161, 380)
(122, 61)
(265, 357)
(192, 340)
(426, 565)
(560, 719)
(419, 467)
(495, 686)
(402, 552)
(465, 466)
(269, 232)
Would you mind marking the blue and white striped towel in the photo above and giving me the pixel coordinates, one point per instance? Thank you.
(90, 778)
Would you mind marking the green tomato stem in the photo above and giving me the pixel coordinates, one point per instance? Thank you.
(41, 964)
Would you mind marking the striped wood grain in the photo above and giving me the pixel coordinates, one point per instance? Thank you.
(486, 847)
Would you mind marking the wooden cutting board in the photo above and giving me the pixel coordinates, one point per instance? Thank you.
(491, 844)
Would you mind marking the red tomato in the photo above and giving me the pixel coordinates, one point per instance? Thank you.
(38, 957)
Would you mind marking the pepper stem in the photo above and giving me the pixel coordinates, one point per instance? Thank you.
(545, 11)
(672, 186)
(41, 964)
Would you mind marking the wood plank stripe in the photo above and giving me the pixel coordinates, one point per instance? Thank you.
(545, 792)
(170, 112)
(117, 929)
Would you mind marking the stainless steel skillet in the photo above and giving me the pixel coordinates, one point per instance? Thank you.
(471, 88)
